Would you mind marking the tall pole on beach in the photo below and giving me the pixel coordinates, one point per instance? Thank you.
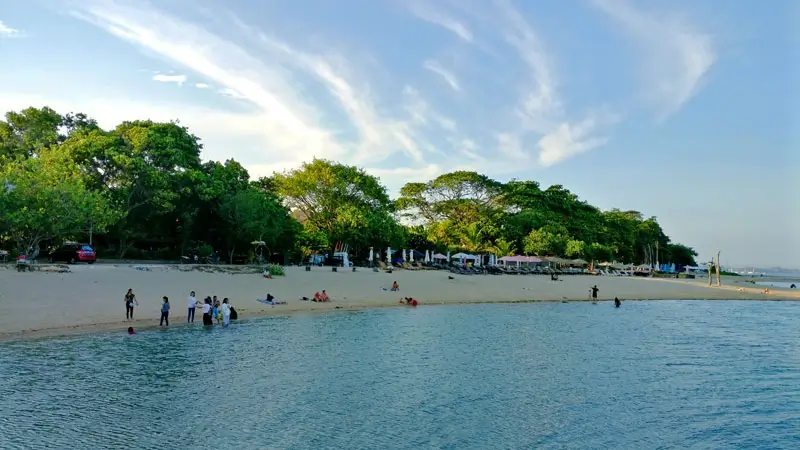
(716, 265)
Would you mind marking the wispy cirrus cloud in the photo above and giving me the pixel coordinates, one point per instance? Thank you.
(676, 57)
(177, 79)
(446, 75)
(429, 13)
(7, 31)
(291, 119)
(541, 110)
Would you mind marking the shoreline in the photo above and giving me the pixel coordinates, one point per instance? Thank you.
(88, 299)
(149, 324)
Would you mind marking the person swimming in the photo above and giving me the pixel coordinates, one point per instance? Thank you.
(130, 330)
(617, 302)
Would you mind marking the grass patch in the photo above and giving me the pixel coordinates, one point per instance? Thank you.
(276, 269)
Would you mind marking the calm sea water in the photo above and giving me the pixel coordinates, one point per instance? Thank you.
(667, 374)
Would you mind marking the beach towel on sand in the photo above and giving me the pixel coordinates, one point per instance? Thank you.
(274, 301)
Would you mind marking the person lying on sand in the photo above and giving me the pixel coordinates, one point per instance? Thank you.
(409, 301)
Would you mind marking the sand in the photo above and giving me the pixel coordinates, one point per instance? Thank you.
(90, 297)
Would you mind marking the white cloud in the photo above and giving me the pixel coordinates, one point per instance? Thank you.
(7, 31)
(568, 140)
(202, 86)
(448, 76)
(232, 93)
(177, 79)
(426, 12)
(676, 57)
(541, 104)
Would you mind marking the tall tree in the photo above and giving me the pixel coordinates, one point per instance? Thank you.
(342, 201)
(147, 167)
(46, 198)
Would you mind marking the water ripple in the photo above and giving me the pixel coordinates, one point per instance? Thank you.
(649, 375)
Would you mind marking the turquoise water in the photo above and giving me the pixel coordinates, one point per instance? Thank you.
(665, 374)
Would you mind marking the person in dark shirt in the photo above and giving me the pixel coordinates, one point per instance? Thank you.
(617, 302)
(594, 292)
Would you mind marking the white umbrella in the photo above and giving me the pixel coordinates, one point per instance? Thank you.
(389, 255)
(371, 256)
(448, 257)
(427, 256)
(403, 255)
(411, 255)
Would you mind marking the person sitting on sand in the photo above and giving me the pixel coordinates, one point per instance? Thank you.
(130, 330)
(267, 274)
(793, 286)
(395, 286)
(324, 296)
(317, 297)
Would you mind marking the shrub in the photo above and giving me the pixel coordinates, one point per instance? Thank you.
(276, 269)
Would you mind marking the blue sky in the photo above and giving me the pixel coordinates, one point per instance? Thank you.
(679, 109)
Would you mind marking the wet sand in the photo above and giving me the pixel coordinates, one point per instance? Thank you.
(90, 297)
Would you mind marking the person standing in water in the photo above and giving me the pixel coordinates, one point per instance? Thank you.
(192, 307)
(130, 301)
(207, 312)
(164, 311)
(226, 312)
(617, 302)
(594, 292)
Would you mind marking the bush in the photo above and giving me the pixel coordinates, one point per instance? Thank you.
(205, 250)
(165, 253)
(276, 269)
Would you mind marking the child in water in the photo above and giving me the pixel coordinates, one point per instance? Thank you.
(130, 330)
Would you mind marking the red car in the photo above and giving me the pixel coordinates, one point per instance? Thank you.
(72, 253)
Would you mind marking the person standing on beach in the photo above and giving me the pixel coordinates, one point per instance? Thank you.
(226, 312)
(130, 301)
(164, 311)
(192, 307)
(207, 312)
(594, 292)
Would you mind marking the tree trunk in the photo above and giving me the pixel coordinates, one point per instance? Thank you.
(716, 264)
(124, 246)
(230, 254)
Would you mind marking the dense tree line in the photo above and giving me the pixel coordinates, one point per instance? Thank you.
(142, 190)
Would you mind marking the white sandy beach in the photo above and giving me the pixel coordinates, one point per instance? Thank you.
(89, 298)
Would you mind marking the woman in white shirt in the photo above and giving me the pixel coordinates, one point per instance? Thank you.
(192, 306)
(226, 312)
(207, 312)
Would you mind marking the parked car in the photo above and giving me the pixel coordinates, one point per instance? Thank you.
(72, 253)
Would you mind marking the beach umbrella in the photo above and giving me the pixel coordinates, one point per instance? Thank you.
(448, 257)
(403, 255)
(371, 256)
(389, 255)
(427, 256)
(411, 255)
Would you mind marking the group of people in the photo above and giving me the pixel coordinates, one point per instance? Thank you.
(321, 297)
(213, 309)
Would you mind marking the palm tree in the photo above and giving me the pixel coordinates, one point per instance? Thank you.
(503, 248)
(472, 238)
